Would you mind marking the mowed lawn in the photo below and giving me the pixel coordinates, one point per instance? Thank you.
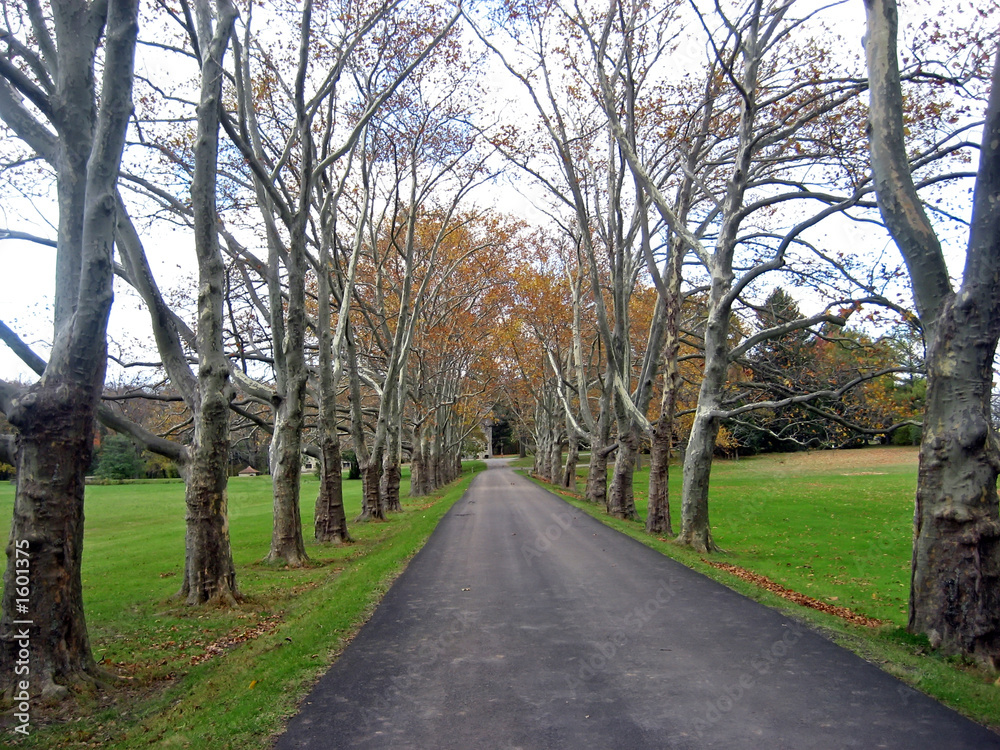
(134, 559)
(207, 676)
(835, 525)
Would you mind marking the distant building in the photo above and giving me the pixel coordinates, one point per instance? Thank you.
(249, 472)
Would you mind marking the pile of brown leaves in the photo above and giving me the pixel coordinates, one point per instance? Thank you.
(236, 637)
(794, 596)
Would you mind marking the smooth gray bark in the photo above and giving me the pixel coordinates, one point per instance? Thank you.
(418, 461)
(209, 572)
(372, 507)
(572, 458)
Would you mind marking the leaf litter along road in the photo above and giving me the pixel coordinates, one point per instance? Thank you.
(524, 623)
(794, 596)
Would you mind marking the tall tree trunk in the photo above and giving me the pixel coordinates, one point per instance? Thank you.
(372, 502)
(572, 458)
(696, 531)
(658, 515)
(391, 472)
(448, 451)
(597, 474)
(330, 524)
(621, 499)
(329, 518)
(370, 464)
(209, 573)
(46, 541)
(287, 545)
(541, 454)
(555, 457)
(431, 465)
(285, 277)
(55, 417)
(955, 583)
(661, 440)
(954, 593)
(392, 476)
(444, 463)
(418, 463)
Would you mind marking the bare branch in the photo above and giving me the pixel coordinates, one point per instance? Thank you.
(10, 234)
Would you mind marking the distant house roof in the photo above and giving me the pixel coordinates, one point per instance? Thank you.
(249, 472)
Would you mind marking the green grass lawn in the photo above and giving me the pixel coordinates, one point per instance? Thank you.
(837, 531)
(836, 526)
(204, 677)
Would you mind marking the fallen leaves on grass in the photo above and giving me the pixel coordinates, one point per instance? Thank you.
(235, 638)
(793, 596)
(419, 506)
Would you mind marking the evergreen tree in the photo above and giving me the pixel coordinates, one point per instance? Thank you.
(118, 459)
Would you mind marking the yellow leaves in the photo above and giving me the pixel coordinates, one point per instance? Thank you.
(726, 442)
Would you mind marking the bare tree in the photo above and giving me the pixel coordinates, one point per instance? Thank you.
(954, 591)
(330, 518)
(429, 161)
(209, 573)
(290, 182)
(77, 123)
(747, 174)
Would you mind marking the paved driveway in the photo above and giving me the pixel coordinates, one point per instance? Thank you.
(525, 623)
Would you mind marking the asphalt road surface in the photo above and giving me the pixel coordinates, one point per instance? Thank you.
(524, 623)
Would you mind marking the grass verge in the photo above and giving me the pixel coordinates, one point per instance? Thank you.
(221, 678)
(837, 527)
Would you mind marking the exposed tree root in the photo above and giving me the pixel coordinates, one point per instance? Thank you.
(702, 543)
(291, 560)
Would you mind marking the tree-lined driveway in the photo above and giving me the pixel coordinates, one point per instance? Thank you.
(524, 623)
